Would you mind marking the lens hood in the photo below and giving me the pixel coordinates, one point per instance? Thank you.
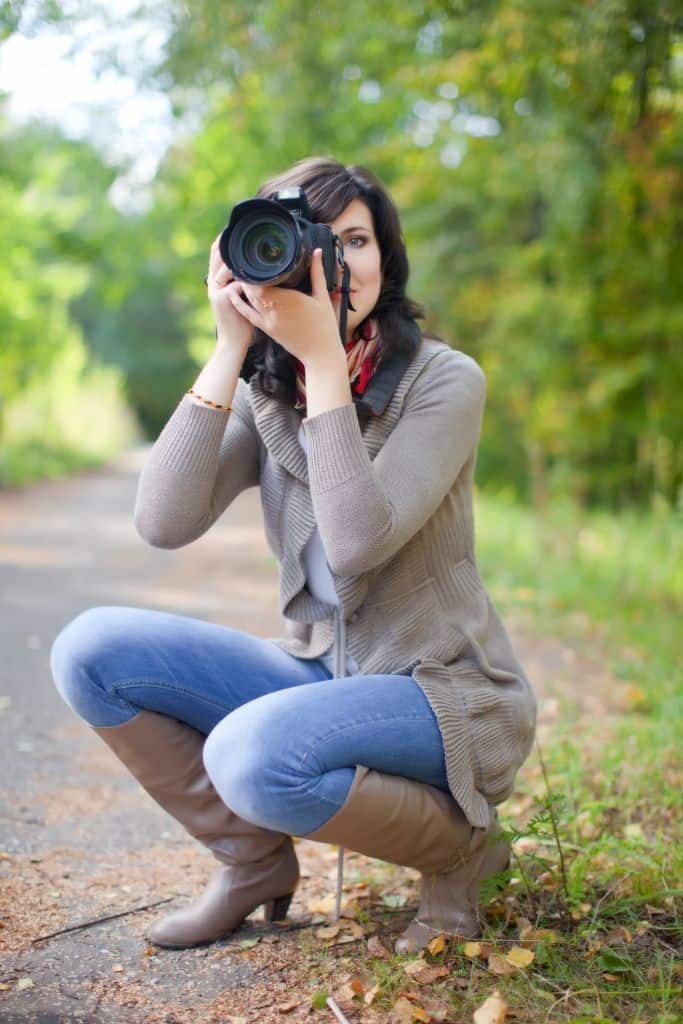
(262, 243)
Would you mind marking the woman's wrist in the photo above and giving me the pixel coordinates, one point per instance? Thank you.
(327, 381)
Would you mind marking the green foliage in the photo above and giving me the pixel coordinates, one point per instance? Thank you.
(535, 153)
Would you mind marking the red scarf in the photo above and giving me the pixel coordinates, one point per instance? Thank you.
(362, 359)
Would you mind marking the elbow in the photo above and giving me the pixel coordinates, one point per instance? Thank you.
(157, 534)
(363, 548)
(355, 560)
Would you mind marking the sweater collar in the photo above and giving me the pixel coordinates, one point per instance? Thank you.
(278, 424)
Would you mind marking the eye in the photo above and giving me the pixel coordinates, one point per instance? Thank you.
(357, 241)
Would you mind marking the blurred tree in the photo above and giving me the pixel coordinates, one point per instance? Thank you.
(535, 151)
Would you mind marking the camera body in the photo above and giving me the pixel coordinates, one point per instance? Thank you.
(271, 242)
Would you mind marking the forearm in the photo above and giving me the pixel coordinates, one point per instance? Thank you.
(202, 460)
(327, 382)
(218, 379)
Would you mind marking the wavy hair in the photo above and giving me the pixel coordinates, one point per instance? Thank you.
(329, 188)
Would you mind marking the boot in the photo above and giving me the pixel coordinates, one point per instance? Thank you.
(259, 866)
(419, 826)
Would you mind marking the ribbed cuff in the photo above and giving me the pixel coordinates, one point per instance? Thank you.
(336, 452)
(190, 441)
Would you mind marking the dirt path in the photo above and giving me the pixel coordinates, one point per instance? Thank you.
(78, 838)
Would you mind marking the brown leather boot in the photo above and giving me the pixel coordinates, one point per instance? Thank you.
(259, 866)
(419, 826)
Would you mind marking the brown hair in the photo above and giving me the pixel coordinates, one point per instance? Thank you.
(329, 188)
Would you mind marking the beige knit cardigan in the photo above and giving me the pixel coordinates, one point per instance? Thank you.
(393, 503)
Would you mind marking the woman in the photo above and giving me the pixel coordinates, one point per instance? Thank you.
(393, 717)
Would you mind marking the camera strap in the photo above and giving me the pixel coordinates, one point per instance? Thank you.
(345, 302)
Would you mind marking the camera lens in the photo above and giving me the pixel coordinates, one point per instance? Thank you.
(265, 245)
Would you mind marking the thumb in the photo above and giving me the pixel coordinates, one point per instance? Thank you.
(318, 282)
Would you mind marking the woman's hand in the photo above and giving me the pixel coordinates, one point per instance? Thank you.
(306, 325)
(231, 327)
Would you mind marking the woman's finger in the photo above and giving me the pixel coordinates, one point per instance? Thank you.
(250, 312)
(217, 264)
(222, 274)
(318, 280)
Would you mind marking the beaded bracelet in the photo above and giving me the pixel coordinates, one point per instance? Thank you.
(207, 401)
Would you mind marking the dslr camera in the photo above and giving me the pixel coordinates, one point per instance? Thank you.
(271, 241)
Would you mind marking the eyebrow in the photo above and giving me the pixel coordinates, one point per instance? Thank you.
(358, 227)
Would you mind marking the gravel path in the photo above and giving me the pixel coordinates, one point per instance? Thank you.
(78, 838)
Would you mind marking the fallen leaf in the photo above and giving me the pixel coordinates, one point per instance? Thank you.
(414, 965)
(25, 983)
(500, 965)
(420, 1014)
(355, 929)
(376, 948)
(393, 900)
(610, 977)
(330, 932)
(358, 986)
(4, 986)
(426, 974)
(472, 949)
(402, 1012)
(287, 1007)
(519, 957)
(117, 968)
(438, 1009)
(324, 906)
(437, 945)
(492, 1011)
(345, 994)
(236, 1020)
(372, 994)
(535, 935)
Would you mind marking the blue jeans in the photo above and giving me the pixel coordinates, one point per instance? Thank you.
(283, 735)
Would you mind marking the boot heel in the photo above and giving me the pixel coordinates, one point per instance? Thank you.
(276, 910)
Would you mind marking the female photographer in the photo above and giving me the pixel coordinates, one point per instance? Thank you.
(394, 715)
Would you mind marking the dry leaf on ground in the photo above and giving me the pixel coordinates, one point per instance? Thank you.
(438, 1009)
(404, 1012)
(492, 1011)
(372, 994)
(376, 948)
(425, 974)
(501, 965)
(290, 1005)
(472, 949)
(437, 945)
(519, 957)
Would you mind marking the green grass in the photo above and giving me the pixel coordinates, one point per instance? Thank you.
(597, 870)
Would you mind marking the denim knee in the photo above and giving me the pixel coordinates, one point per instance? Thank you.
(251, 764)
(74, 659)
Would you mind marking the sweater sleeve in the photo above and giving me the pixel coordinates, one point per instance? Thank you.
(367, 510)
(201, 461)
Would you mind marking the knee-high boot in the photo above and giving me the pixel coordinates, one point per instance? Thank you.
(419, 826)
(258, 866)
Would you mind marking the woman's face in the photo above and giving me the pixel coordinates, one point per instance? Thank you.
(362, 253)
